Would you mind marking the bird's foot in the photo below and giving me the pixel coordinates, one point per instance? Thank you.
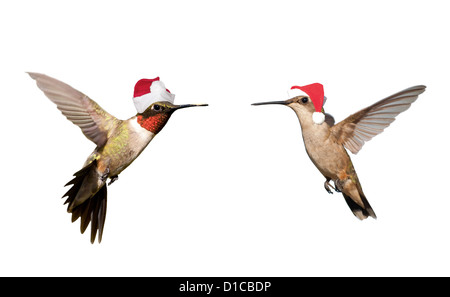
(338, 185)
(105, 175)
(113, 179)
(327, 186)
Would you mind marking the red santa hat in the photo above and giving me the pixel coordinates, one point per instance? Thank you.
(148, 91)
(316, 94)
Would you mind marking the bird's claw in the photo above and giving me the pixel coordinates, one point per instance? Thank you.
(327, 187)
(338, 186)
(105, 175)
(113, 179)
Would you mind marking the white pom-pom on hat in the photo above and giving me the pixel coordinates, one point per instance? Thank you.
(148, 91)
(318, 117)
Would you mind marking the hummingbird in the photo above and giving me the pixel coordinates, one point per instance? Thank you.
(118, 142)
(327, 143)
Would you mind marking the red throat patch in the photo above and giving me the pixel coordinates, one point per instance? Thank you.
(154, 123)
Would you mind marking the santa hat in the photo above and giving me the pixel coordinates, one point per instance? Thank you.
(148, 91)
(316, 94)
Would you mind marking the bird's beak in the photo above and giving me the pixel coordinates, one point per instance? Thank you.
(272, 102)
(186, 105)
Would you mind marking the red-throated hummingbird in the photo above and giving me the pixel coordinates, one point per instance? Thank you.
(119, 142)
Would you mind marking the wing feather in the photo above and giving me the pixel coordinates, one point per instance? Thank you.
(77, 107)
(362, 126)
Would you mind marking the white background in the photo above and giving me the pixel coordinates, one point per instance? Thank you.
(227, 190)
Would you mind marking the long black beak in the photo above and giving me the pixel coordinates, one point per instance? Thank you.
(271, 102)
(187, 105)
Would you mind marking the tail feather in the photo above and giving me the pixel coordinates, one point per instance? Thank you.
(98, 214)
(360, 212)
(93, 210)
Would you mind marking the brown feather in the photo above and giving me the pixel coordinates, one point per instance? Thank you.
(84, 112)
(93, 209)
(360, 212)
(362, 126)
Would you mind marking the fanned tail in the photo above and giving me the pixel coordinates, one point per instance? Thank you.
(92, 210)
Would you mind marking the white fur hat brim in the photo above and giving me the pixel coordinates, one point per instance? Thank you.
(157, 93)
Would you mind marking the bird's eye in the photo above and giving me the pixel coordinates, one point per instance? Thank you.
(305, 99)
(156, 107)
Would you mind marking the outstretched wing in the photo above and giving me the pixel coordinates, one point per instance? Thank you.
(77, 107)
(360, 127)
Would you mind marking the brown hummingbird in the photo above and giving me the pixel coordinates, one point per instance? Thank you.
(326, 143)
(119, 142)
